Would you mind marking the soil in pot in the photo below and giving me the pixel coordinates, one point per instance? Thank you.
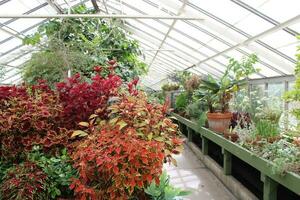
(219, 122)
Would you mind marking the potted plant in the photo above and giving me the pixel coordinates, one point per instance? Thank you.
(218, 92)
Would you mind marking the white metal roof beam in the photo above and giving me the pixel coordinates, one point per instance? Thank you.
(12, 16)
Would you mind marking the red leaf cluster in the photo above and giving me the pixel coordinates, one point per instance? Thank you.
(27, 118)
(149, 120)
(132, 87)
(123, 153)
(80, 99)
(112, 164)
(121, 150)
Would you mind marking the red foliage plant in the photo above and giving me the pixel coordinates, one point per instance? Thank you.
(80, 99)
(149, 120)
(24, 181)
(124, 153)
(26, 118)
(112, 164)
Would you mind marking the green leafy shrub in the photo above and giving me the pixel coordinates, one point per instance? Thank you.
(195, 110)
(266, 128)
(165, 191)
(181, 102)
(272, 115)
(218, 92)
(4, 166)
(294, 95)
(79, 44)
(202, 119)
(59, 171)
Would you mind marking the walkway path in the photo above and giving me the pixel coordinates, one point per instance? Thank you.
(192, 175)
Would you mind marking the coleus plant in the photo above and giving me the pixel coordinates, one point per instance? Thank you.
(128, 148)
(80, 99)
(147, 119)
(27, 118)
(113, 164)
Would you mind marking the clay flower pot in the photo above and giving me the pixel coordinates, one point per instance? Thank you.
(219, 122)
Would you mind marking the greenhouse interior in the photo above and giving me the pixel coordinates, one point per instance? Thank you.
(150, 99)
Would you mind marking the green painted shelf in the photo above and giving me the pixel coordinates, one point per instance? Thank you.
(289, 180)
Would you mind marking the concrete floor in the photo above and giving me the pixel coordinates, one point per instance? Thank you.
(192, 175)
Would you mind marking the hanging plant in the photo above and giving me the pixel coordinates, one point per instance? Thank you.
(79, 44)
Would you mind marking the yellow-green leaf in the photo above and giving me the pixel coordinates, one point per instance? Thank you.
(150, 136)
(93, 116)
(173, 161)
(159, 139)
(179, 148)
(79, 133)
(122, 124)
(113, 121)
(84, 124)
(114, 111)
(167, 152)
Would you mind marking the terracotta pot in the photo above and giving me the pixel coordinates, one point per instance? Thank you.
(219, 122)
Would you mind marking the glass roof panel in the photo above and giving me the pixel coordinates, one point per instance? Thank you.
(189, 42)
(3, 35)
(276, 61)
(221, 8)
(20, 61)
(18, 6)
(192, 31)
(281, 39)
(256, 23)
(290, 49)
(10, 45)
(255, 3)
(280, 10)
(217, 45)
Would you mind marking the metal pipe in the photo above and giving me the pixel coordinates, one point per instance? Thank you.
(102, 16)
